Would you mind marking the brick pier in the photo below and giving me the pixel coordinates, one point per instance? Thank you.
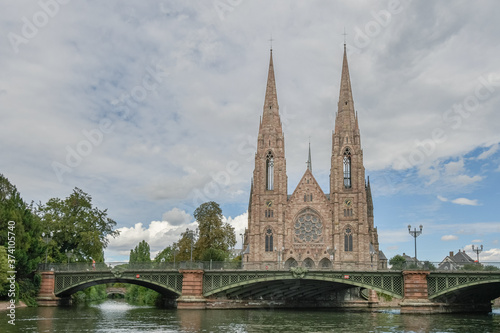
(192, 290)
(416, 299)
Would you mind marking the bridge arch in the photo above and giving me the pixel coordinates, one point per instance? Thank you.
(454, 289)
(168, 283)
(151, 285)
(286, 284)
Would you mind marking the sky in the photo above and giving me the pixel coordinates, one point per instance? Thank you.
(153, 108)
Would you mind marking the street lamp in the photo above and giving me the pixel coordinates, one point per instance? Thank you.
(69, 254)
(47, 238)
(280, 252)
(477, 250)
(415, 233)
(190, 234)
(372, 253)
(175, 251)
(242, 246)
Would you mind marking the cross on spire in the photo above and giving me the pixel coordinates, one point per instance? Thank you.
(271, 41)
(345, 35)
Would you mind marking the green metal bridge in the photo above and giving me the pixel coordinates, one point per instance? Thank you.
(227, 281)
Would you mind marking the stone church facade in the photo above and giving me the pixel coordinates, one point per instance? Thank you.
(310, 228)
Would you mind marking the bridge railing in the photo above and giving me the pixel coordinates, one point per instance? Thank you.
(447, 266)
(224, 265)
(79, 267)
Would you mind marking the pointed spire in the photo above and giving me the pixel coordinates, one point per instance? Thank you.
(345, 119)
(309, 162)
(271, 100)
(369, 200)
(271, 117)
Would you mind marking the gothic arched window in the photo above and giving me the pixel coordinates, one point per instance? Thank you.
(348, 239)
(347, 168)
(269, 240)
(269, 171)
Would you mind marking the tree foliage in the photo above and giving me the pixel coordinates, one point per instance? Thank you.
(141, 253)
(169, 254)
(27, 229)
(213, 232)
(77, 226)
(397, 262)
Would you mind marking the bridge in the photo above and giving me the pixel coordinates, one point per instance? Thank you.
(220, 285)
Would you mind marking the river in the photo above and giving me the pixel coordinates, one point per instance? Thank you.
(117, 316)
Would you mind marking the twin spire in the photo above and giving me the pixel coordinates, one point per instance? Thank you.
(346, 119)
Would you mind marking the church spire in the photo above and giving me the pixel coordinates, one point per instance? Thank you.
(369, 200)
(346, 119)
(309, 162)
(271, 117)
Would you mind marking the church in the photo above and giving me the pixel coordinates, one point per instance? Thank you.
(310, 228)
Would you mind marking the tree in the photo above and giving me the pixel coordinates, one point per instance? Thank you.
(184, 246)
(141, 253)
(77, 226)
(28, 248)
(168, 253)
(4, 267)
(397, 262)
(213, 233)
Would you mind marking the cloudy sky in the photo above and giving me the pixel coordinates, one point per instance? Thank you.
(153, 108)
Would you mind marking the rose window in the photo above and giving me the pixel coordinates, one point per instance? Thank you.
(308, 227)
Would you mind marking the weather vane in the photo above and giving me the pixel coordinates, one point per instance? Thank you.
(271, 41)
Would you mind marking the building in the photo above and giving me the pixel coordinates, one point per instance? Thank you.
(455, 261)
(308, 227)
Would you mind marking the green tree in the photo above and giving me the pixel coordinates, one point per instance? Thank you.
(167, 253)
(3, 271)
(213, 232)
(27, 246)
(214, 255)
(141, 253)
(77, 226)
(184, 246)
(397, 262)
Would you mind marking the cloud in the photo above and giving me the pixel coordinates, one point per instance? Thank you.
(484, 155)
(467, 180)
(176, 217)
(476, 241)
(160, 234)
(239, 223)
(460, 201)
(443, 199)
(449, 238)
(465, 201)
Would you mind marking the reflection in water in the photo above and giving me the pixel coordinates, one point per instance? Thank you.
(117, 316)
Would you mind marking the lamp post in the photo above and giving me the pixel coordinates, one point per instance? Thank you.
(47, 238)
(242, 246)
(190, 234)
(175, 251)
(280, 252)
(69, 254)
(415, 233)
(372, 253)
(477, 250)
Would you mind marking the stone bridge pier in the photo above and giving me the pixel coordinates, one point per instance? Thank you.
(46, 296)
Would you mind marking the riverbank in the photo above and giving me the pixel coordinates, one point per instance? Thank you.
(5, 304)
